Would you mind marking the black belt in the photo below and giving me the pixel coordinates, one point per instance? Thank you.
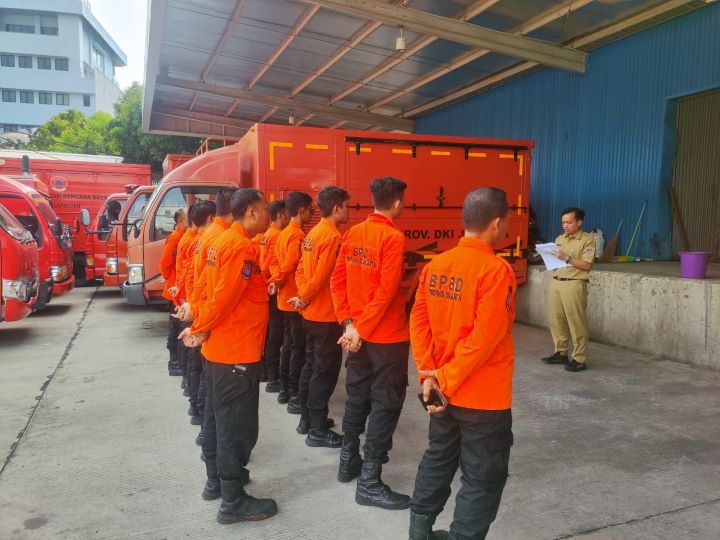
(568, 279)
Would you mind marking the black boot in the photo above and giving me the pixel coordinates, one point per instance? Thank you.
(239, 506)
(350, 462)
(284, 395)
(293, 406)
(183, 383)
(323, 437)
(273, 386)
(371, 491)
(304, 424)
(200, 439)
(421, 528)
(211, 491)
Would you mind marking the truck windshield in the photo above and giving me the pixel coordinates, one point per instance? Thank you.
(11, 225)
(47, 212)
(173, 200)
(135, 212)
(20, 208)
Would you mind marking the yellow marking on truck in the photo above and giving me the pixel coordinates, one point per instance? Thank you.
(520, 168)
(506, 156)
(519, 204)
(520, 158)
(401, 151)
(362, 150)
(517, 248)
(439, 153)
(477, 154)
(272, 197)
(316, 147)
(272, 146)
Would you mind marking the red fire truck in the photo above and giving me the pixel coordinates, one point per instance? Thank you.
(439, 172)
(18, 268)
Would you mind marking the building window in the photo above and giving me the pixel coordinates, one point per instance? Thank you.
(44, 62)
(98, 59)
(22, 28)
(61, 64)
(7, 60)
(8, 128)
(62, 99)
(27, 96)
(45, 98)
(25, 61)
(9, 96)
(86, 100)
(49, 25)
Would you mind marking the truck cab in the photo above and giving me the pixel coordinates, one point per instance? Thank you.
(96, 236)
(18, 268)
(55, 254)
(117, 241)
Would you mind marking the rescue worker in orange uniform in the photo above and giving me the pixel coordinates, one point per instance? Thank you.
(203, 215)
(461, 332)
(167, 270)
(231, 328)
(274, 336)
(196, 363)
(184, 252)
(323, 354)
(282, 281)
(365, 288)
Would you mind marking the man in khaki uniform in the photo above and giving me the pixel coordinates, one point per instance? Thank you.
(568, 292)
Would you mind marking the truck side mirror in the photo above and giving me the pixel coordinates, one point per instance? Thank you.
(59, 227)
(85, 217)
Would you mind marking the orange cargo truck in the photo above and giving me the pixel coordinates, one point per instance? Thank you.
(439, 172)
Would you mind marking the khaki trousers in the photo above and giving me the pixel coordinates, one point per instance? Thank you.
(568, 304)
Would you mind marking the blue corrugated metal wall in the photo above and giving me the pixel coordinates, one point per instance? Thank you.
(605, 140)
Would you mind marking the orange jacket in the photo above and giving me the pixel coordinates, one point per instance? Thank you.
(198, 295)
(184, 254)
(317, 261)
(283, 263)
(370, 268)
(167, 261)
(267, 248)
(236, 310)
(461, 325)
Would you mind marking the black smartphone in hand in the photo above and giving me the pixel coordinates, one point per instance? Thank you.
(436, 399)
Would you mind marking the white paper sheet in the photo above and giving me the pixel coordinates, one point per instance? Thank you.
(550, 260)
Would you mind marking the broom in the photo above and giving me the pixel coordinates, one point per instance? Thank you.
(611, 247)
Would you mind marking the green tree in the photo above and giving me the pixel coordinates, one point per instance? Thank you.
(72, 131)
(128, 140)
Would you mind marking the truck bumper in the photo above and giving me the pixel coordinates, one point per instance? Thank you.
(134, 294)
(90, 273)
(112, 280)
(63, 287)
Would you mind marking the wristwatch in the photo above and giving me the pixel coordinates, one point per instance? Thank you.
(569, 259)
(346, 322)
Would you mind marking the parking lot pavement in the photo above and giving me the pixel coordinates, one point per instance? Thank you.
(627, 449)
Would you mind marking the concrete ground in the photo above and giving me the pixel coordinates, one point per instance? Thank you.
(95, 442)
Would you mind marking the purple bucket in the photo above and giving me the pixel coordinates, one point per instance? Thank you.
(693, 264)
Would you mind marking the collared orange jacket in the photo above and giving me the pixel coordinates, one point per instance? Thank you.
(167, 262)
(283, 263)
(236, 310)
(182, 263)
(317, 261)
(365, 283)
(461, 325)
(197, 296)
(267, 248)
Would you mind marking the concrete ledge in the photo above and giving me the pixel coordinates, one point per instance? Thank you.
(666, 316)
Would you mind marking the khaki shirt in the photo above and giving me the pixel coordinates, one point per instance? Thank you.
(578, 246)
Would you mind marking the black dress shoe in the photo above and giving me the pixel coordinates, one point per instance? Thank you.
(196, 420)
(575, 366)
(325, 438)
(200, 439)
(283, 397)
(273, 386)
(293, 406)
(556, 358)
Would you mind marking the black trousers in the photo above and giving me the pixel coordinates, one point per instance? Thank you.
(292, 358)
(182, 351)
(323, 360)
(479, 442)
(195, 368)
(172, 340)
(230, 423)
(376, 383)
(273, 341)
(202, 387)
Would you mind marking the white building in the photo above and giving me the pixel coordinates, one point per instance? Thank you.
(54, 55)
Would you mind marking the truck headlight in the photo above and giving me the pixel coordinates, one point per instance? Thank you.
(57, 273)
(111, 265)
(135, 274)
(16, 289)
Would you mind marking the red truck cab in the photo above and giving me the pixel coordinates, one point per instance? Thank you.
(55, 253)
(18, 268)
(439, 171)
(116, 244)
(96, 237)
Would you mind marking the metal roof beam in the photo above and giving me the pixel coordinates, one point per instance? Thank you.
(522, 67)
(387, 122)
(465, 15)
(205, 117)
(163, 124)
(542, 52)
(526, 27)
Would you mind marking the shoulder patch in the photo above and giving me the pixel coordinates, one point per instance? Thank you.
(247, 269)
